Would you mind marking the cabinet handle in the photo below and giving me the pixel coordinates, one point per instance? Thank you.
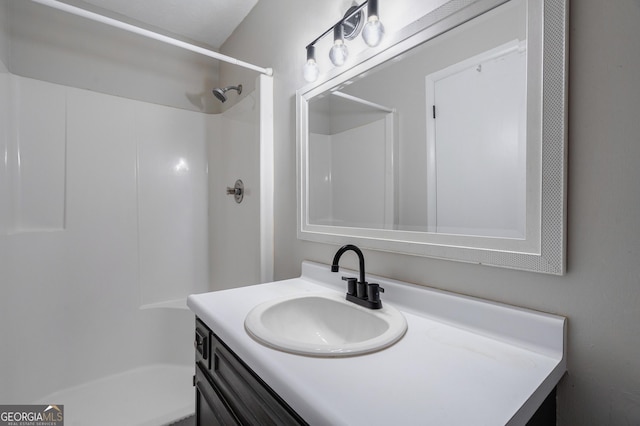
(200, 343)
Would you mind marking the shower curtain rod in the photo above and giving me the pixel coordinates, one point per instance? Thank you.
(150, 34)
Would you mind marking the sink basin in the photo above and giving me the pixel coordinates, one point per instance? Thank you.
(324, 325)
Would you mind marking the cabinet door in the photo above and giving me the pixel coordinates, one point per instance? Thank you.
(252, 401)
(210, 408)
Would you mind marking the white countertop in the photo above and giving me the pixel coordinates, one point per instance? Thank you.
(463, 361)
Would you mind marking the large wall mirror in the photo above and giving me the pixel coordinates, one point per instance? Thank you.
(447, 142)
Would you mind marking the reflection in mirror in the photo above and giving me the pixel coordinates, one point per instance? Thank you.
(436, 147)
(351, 174)
(460, 100)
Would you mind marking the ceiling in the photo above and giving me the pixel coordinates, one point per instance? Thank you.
(207, 21)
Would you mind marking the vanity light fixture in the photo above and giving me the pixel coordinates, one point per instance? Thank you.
(347, 28)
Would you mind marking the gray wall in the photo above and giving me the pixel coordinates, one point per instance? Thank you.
(600, 294)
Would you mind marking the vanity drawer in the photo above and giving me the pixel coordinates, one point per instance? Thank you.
(250, 399)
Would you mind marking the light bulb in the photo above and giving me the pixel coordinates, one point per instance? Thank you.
(373, 31)
(338, 53)
(311, 71)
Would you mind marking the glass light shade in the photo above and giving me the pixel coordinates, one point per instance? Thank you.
(338, 53)
(373, 31)
(311, 71)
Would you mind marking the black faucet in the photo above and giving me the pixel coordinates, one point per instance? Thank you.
(359, 292)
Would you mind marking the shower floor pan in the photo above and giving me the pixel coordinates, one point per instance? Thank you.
(153, 395)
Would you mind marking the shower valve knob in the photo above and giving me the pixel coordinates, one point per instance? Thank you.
(237, 191)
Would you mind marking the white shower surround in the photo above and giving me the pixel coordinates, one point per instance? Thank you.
(120, 230)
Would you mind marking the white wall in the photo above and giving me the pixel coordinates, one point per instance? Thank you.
(600, 294)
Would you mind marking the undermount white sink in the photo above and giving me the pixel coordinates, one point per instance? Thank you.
(324, 325)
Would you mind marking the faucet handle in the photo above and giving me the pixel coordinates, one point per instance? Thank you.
(351, 285)
(373, 295)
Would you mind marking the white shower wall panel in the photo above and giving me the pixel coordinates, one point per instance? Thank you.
(32, 187)
(234, 153)
(38, 187)
(101, 234)
(172, 203)
(71, 299)
(67, 288)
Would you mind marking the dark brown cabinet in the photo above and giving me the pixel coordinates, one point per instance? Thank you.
(228, 392)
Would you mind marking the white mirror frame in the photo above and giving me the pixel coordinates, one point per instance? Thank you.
(543, 252)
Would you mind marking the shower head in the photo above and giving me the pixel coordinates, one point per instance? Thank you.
(220, 92)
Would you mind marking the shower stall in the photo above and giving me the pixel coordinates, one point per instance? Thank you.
(112, 211)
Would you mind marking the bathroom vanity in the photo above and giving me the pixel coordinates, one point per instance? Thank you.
(228, 392)
(461, 361)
